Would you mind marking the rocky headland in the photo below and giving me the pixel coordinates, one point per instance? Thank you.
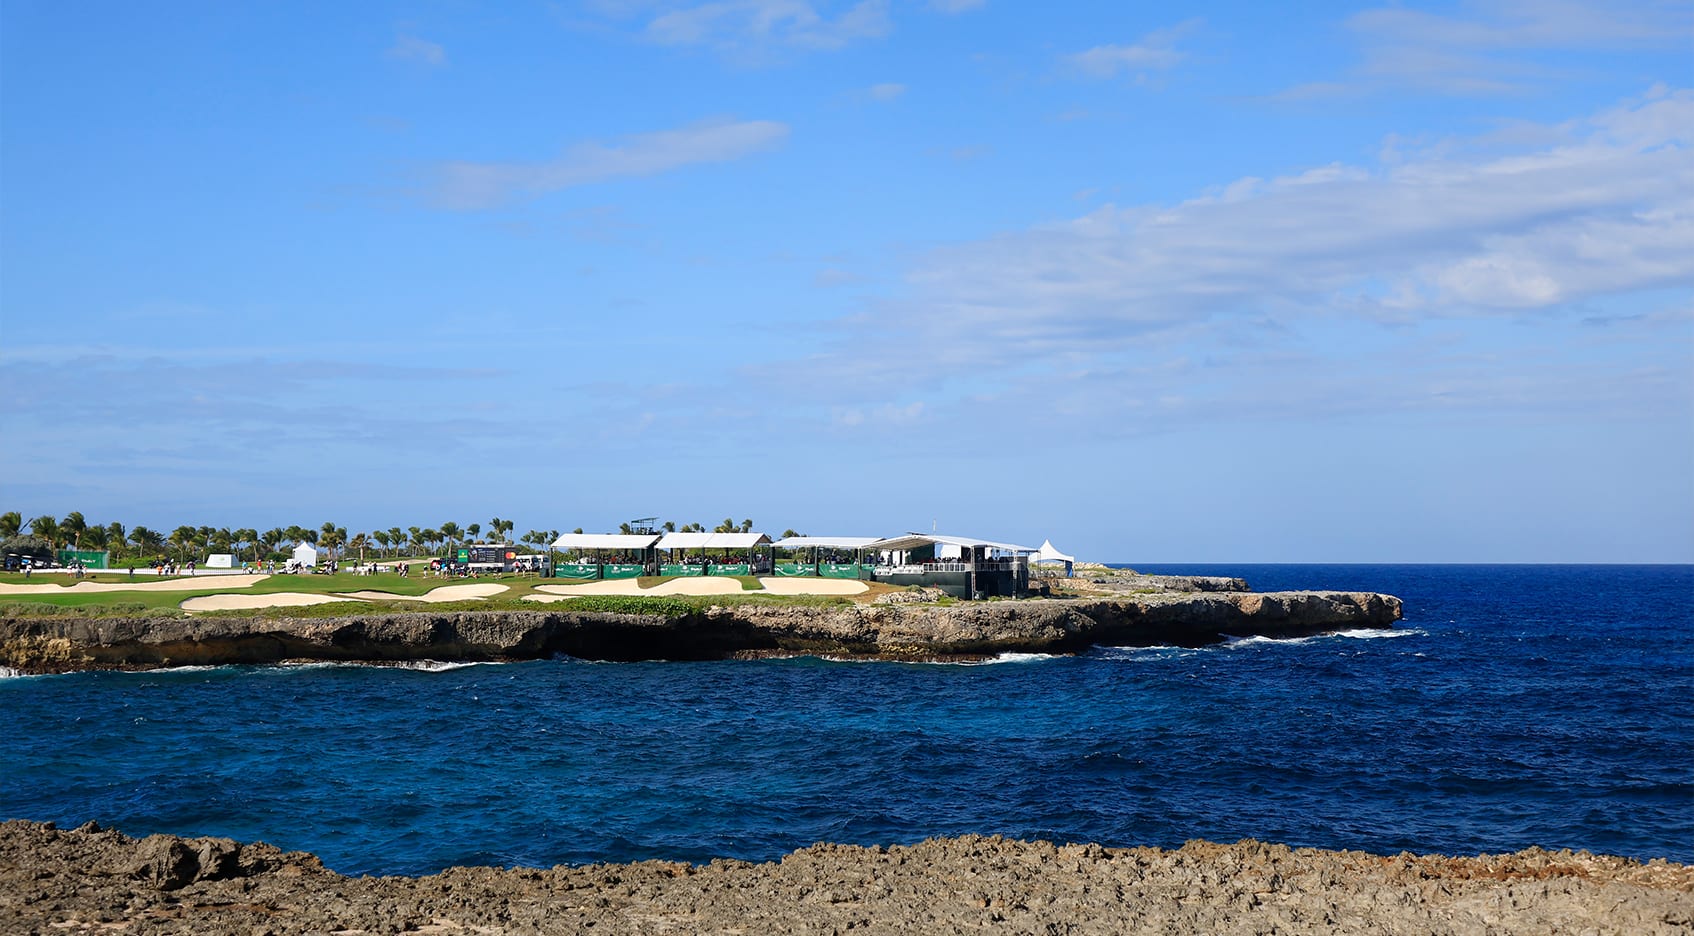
(900, 626)
(94, 880)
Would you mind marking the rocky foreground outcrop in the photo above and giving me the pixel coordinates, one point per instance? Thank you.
(893, 631)
(91, 880)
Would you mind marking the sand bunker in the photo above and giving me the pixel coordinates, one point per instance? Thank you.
(607, 587)
(712, 585)
(444, 593)
(249, 602)
(192, 583)
(813, 586)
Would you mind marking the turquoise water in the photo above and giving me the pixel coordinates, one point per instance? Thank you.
(1515, 706)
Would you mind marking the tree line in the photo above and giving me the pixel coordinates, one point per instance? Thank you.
(74, 531)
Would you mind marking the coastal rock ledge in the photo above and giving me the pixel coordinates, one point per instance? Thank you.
(881, 631)
(94, 880)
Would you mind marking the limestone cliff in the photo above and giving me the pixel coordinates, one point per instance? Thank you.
(896, 631)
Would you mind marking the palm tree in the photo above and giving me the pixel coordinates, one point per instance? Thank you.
(95, 536)
(430, 538)
(182, 537)
(670, 526)
(417, 538)
(382, 539)
(272, 539)
(116, 537)
(10, 523)
(501, 528)
(472, 530)
(398, 537)
(249, 536)
(73, 526)
(359, 542)
(450, 531)
(46, 527)
(147, 542)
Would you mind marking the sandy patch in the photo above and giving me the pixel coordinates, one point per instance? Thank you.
(249, 602)
(704, 585)
(444, 593)
(807, 585)
(606, 587)
(195, 583)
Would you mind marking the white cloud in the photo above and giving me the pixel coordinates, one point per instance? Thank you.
(1155, 51)
(469, 185)
(1493, 47)
(956, 6)
(1601, 209)
(887, 91)
(750, 26)
(408, 48)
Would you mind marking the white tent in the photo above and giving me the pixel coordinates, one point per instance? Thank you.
(713, 540)
(1049, 553)
(306, 554)
(621, 542)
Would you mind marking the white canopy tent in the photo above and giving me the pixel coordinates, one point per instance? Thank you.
(306, 555)
(621, 542)
(713, 540)
(1049, 553)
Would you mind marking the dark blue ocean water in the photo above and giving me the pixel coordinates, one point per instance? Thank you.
(1516, 706)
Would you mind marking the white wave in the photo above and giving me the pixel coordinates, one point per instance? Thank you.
(192, 668)
(438, 666)
(6, 672)
(1157, 652)
(1363, 633)
(1371, 633)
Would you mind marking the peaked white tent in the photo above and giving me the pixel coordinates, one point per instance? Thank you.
(1050, 553)
(306, 555)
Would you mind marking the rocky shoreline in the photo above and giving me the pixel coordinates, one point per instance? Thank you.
(883, 630)
(94, 880)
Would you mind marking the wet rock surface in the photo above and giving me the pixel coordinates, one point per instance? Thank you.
(93, 880)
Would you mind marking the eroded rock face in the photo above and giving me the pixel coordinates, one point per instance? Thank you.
(891, 630)
(56, 881)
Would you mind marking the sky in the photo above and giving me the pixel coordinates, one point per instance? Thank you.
(1235, 282)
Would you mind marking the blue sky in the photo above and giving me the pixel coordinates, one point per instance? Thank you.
(1240, 282)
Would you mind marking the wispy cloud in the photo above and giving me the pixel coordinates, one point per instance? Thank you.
(473, 185)
(1464, 230)
(956, 6)
(1493, 46)
(1154, 52)
(887, 91)
(743, 27)
(408, 48)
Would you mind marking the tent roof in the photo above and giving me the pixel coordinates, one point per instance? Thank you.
(712, 540)
(605, 541)
(1049, 553)
(825, 542)
(914, 540)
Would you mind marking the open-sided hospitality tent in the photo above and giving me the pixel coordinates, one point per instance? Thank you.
(631, 555)
(751, 562)
(820, 556)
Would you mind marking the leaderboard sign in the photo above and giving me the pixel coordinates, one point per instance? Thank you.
(503, 556)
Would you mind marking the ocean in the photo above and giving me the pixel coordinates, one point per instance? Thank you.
(1514, 706)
